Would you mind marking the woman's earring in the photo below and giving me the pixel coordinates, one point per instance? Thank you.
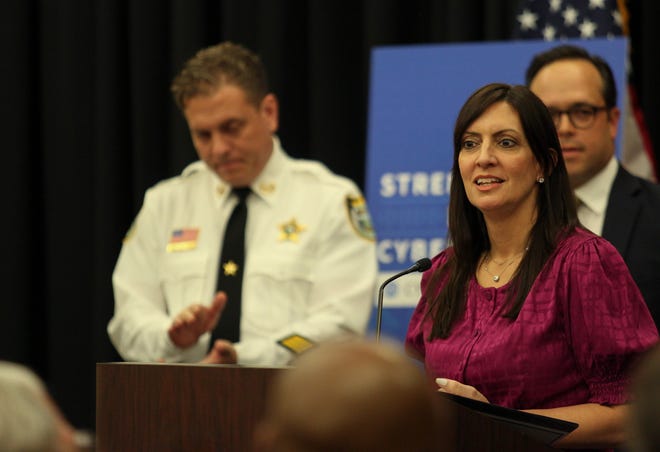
(540, 180)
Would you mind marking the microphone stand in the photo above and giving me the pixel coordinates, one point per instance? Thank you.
(419, 266)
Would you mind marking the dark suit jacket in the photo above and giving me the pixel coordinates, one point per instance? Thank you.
(632, 225)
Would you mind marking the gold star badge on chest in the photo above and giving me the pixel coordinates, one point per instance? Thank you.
(291, 230)
(230, 268)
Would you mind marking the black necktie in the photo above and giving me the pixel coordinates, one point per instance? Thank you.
(230, 274)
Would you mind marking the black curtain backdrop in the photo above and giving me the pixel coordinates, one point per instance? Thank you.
(89, 125)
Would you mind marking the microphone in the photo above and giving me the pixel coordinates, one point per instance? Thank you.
(420, 266)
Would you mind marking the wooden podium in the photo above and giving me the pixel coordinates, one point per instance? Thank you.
(183, 407)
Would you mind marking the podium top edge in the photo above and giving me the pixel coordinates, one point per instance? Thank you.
(234, 366)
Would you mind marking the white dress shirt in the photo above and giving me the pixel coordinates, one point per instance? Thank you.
(593, 196)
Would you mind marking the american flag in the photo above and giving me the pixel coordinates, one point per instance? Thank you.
(184, 235)
(562, 19)
(553, 20)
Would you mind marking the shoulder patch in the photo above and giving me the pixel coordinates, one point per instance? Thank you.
(358, 216)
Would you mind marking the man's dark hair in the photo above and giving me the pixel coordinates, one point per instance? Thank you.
(570, 52)
(218, 65)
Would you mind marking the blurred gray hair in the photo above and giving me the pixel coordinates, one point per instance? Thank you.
(26, 422)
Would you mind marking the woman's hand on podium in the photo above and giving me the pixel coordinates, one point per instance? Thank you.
(454, 387)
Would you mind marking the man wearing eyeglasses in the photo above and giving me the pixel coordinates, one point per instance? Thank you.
(580, 93)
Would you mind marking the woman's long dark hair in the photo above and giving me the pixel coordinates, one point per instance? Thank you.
(467, 230)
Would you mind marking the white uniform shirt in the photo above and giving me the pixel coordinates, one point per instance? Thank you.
(310, 265)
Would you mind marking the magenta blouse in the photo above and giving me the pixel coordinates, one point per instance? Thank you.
(580, 329)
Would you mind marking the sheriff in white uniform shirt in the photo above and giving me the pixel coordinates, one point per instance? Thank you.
(310, 267)
(309, 261)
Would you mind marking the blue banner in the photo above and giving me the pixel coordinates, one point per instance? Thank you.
(415, 95)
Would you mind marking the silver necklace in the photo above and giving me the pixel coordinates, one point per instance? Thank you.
(497, 278)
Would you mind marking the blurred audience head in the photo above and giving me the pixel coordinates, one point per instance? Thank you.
(29, 419)
(354, 396)
(644, 420)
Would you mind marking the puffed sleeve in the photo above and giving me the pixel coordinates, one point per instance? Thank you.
(415, 343)
(607, 321)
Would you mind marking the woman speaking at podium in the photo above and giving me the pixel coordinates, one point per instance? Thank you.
(526, 309)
